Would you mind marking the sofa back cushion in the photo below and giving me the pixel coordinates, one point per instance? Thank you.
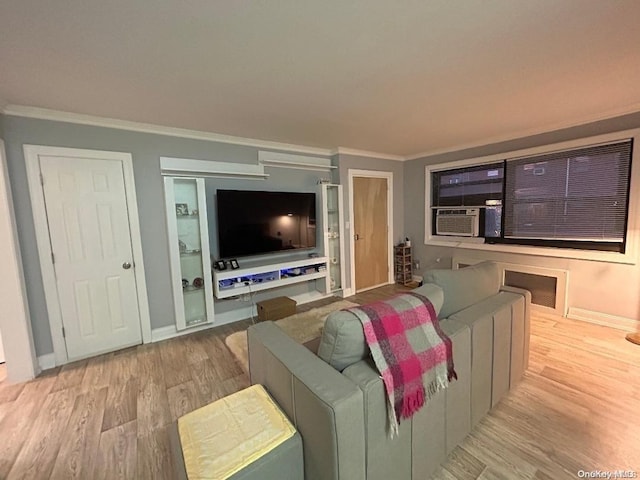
(343, 341)
(466, 286)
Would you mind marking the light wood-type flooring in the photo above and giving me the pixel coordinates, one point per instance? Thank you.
(577, 408)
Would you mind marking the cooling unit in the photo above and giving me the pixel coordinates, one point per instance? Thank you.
(460, 222)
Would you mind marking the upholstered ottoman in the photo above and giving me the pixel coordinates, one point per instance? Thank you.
(242, 436)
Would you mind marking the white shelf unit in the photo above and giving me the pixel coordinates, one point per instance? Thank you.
(229, 283)
(186, 210)
(333, 238)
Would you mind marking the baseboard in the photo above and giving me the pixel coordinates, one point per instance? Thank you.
(45, 362)
(170, 331)
(599, 318)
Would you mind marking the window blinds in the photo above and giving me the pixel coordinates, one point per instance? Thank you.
(576, 195)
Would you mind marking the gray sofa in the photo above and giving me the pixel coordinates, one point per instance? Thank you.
(336, 398)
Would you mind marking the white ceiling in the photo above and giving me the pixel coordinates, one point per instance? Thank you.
(396, 77)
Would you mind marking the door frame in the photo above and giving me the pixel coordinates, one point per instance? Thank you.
(17, 337)
(353, 173)
(32, 155)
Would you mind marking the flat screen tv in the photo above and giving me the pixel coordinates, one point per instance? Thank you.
(256, 222)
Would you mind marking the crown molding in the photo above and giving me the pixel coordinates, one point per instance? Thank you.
(634, 108)
(82, 119)
(365, 153)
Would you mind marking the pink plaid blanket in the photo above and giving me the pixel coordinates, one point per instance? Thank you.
(411, 352)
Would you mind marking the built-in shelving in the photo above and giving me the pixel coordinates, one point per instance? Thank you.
(332, 219)
(229, 283)
(187, 167)
(189, 253)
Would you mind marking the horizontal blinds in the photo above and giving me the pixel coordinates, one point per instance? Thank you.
(578, 195)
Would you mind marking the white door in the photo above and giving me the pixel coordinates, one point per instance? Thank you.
(86, 207)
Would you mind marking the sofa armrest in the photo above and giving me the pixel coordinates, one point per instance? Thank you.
(326, 407)
(521, 291)
(527, 318)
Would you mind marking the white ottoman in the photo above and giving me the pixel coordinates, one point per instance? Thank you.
(242, 436)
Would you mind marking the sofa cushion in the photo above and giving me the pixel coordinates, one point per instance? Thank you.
(462, 288)
(343, 341)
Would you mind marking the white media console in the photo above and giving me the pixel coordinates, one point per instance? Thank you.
(229, 283)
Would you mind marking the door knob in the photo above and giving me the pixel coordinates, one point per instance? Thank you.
(126, 265)
(356, 237)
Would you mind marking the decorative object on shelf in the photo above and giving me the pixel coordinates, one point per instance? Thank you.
(182, 246)
(182, 209)
(185, 283)
(407, 242)
(221, 265)
(198, 282)
(234, 264)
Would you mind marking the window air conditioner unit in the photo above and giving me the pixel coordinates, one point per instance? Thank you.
(460, 222)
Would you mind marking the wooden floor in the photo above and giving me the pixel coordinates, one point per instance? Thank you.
(578, 408)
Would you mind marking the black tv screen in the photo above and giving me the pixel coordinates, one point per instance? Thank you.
(255, 222)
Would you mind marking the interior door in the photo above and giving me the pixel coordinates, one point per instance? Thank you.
(86, 207)
(371, 245)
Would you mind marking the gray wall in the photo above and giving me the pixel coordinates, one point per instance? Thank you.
(597, 286)
(347, 162)
(146, 150)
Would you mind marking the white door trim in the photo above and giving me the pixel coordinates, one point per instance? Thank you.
(353, 173)
(32, 155)
(20, 354)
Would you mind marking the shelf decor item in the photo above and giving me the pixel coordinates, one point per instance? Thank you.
(182, 209)
(234, 264)
(221, 265)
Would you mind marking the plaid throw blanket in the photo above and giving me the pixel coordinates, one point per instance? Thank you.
(411, 352)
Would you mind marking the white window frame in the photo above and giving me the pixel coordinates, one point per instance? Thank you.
(632, 235)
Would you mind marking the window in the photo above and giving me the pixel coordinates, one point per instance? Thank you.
(469, 186)
(575, 198)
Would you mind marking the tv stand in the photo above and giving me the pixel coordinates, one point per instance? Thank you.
(229, 283)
